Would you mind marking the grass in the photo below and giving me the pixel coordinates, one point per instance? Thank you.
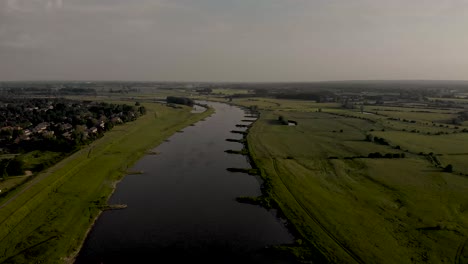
(48, 221)
(12, 182)
(284, 105)
(222, 91)
(442, 144)
(363, 210)
(423, 116)
(33, 159)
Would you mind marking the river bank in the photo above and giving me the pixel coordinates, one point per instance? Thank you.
(302, 249)
(198, 115)
(184, 206)
(48, 223)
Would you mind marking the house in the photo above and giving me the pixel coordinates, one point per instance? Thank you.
(41, 127)
(48, 134)
(67, 135)
(116, 120)
(65, 127)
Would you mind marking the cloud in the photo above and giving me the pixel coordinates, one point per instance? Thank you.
(20, 41)
(54, 4)
(230, 40)
(32, 6)
(12, 5)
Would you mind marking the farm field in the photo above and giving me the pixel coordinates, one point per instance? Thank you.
(47, 221)
(355, 209)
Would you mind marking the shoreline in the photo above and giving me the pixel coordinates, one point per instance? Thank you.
(266, 200)
(72, 257)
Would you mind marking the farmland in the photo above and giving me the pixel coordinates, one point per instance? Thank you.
(353, 208)
(361, 177)
(47, 221)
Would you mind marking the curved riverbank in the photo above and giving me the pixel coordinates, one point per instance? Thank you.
(48, 222)
(184, 206)
(302, 248)
(199, 115)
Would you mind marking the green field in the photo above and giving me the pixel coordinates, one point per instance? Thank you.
(12, 182)
(285, 105)
(365, 210)
(48, 221)
(223, 91)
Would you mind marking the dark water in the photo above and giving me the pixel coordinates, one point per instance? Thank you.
(183, 208)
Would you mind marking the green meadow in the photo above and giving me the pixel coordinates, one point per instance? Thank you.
(348, 208)
(47, 219)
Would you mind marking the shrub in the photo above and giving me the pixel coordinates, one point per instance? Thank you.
(448, 168)
(374, 155)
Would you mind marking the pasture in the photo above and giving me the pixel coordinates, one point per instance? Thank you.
(352, 208)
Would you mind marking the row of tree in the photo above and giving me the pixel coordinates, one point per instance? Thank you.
(180, 100)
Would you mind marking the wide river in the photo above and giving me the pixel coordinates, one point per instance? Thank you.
(182, 209)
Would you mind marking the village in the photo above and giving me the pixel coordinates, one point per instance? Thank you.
(62, 124)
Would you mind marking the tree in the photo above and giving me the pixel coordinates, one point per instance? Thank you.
(179, 100)
(448, 168)
(15, 167)
(282, 120)
(142, 110)
(260, 91)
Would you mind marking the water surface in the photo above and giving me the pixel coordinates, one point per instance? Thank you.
(183, 208)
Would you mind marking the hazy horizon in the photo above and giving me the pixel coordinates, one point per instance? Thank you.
(233, 41)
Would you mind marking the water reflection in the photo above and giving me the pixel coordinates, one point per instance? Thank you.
(183, 207)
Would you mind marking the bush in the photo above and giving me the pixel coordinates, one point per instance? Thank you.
(448, 168)
(283, 120)
(12, 167)
(179, 100)
(375, 155)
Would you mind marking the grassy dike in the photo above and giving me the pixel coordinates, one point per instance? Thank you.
(303, 249)
(362, 210)
(49, 221)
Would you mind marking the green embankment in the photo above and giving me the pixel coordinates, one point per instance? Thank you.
(47, 223)
(362, 210)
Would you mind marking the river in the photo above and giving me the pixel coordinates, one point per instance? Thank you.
(183, 209)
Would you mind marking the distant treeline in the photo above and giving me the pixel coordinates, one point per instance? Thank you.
(77, 91)
(364, 85)
(49, 91)
(179, 100)
(316, 96)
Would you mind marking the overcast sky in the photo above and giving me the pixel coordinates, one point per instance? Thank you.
(233, 40)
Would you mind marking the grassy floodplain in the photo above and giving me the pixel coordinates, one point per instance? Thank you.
(47, 223)
(355, 209)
